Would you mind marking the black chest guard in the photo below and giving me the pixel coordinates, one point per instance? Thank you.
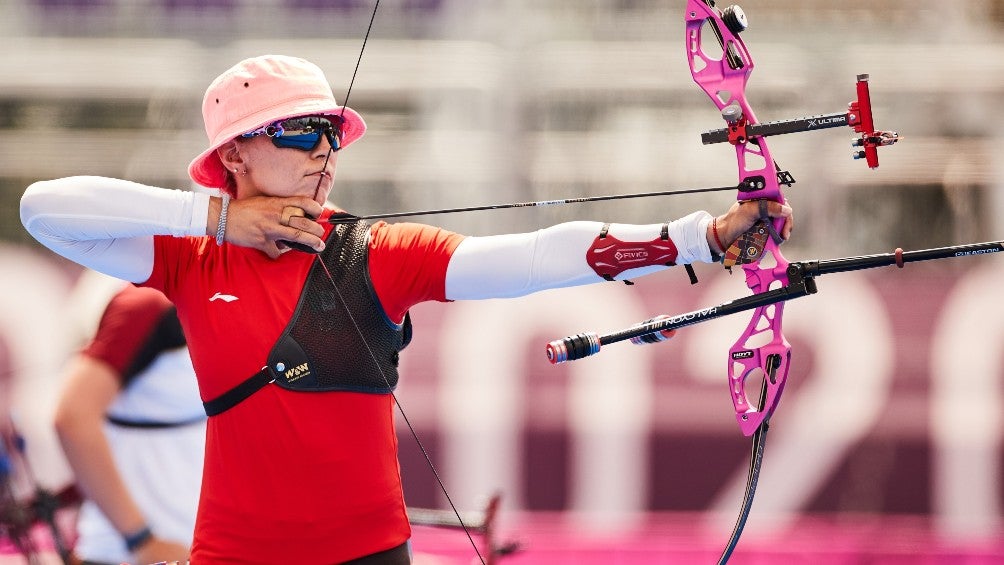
(322, 347)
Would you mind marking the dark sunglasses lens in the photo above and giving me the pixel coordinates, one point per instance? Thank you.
(305, 133)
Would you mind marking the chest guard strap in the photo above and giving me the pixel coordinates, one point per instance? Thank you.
(322, 347)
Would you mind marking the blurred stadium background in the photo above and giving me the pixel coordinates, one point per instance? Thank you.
(887, 446)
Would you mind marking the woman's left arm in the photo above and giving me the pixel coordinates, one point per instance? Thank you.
(518, 264)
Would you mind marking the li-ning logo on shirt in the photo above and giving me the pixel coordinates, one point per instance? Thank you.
(223, 297)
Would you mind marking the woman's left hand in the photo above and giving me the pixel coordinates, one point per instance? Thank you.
(740, 218)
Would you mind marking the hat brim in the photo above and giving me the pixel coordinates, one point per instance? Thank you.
(207, 170)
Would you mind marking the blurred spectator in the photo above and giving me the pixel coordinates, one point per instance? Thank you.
(133, 429)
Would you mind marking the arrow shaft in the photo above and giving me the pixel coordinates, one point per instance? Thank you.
(537, 203)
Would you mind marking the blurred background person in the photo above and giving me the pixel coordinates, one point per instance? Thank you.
(132, 427)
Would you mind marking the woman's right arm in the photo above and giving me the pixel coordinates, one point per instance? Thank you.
(108, 224)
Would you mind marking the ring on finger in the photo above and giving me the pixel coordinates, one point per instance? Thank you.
(290, 212)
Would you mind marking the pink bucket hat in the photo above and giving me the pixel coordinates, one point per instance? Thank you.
(257, 92)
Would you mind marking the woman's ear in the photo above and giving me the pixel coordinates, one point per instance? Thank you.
(230, 156)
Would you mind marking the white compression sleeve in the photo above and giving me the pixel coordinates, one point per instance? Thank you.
(518, 264)
(108, 224)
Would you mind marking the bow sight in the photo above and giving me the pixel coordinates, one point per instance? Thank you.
(858, 116)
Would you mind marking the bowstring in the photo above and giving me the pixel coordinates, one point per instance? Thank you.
(397, 402)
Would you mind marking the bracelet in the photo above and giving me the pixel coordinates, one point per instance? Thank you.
(221, 228)
(134, 540)
(714, 231)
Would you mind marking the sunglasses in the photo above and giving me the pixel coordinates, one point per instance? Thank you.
(303, 133)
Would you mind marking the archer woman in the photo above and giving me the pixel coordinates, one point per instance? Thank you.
(296, 354)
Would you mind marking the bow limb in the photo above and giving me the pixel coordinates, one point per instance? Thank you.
(761, 352)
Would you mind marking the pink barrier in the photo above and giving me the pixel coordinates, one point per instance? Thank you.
(552, 538)
(683, 538)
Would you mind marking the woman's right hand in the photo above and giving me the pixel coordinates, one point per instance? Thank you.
(262, 222)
